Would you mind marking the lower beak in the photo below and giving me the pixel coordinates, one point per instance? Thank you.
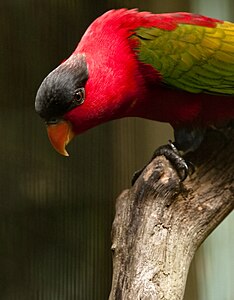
(60, 134)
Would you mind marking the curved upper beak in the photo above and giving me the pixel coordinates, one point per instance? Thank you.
(60, 134)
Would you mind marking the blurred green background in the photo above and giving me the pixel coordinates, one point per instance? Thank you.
(55, 212)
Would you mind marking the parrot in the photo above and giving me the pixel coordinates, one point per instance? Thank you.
(170, 67)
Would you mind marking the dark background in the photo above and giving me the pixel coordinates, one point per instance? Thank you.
(56, 212)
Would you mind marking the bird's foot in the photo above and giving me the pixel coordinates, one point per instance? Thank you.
(170, 151)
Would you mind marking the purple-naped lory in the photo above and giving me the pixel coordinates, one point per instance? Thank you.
(174, 67)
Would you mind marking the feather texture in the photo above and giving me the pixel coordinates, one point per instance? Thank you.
(193, 58)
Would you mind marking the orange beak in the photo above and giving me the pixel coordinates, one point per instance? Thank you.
(60, 134)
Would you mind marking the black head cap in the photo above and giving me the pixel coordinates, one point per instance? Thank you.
(56, 95)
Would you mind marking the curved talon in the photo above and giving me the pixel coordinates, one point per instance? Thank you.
(183, 168)
(191, 167)
(188, 165)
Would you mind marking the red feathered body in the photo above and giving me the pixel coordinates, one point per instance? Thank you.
(120, 85)
(176, 68)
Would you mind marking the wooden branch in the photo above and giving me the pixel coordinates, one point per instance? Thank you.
(160, 223)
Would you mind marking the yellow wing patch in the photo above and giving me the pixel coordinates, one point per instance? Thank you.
(194, 58)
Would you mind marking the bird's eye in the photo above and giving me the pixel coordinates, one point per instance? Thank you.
(79, 96)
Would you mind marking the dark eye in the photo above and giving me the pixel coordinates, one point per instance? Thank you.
(79, 96)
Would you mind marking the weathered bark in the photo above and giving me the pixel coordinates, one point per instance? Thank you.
(160, 222)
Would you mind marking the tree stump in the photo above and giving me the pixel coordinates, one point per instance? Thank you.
(160, 222)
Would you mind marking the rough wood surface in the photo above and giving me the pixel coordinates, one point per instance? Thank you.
(160, 223)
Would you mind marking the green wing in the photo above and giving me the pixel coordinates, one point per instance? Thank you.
(190, 57)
